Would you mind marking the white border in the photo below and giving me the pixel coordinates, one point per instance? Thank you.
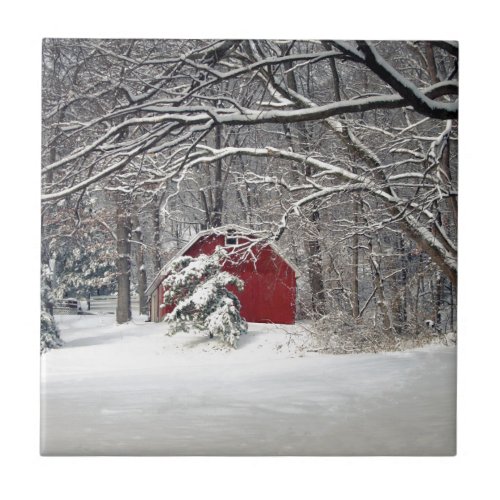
(471, 474)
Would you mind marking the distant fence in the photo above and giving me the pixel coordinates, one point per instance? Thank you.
(67, 306)
(97, 304)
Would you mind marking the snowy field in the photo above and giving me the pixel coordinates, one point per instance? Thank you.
(131, 390)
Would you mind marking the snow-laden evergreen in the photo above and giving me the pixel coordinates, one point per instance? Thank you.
(49, 334)
(197, 288)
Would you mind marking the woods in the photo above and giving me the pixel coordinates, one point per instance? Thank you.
(342, 153)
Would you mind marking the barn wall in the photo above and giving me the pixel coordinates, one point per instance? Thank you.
(269, 293)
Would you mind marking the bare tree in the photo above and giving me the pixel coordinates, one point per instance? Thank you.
(286, 136)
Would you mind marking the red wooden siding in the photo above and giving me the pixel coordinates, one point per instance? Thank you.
(269, 292)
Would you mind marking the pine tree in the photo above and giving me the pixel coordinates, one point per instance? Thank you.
(197, 287)
(49, 334)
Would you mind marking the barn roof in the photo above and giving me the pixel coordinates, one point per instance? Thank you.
(223, 230)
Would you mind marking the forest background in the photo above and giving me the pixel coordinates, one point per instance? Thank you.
(343, 153)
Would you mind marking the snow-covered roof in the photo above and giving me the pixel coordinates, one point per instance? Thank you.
(228, 229)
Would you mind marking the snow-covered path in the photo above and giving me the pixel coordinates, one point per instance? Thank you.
(131, 390)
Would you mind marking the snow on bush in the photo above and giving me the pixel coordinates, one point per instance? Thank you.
(339, 333)
(49, 335)
(197, 287)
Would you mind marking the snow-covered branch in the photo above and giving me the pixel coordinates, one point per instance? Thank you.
(407, 211)
(408, 90)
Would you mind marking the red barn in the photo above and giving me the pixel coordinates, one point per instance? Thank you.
(270, 279)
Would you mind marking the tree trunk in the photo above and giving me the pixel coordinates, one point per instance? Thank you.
(123, 311)
(315, 271)
(445, 166)
(416, 308)
(452, 308)
(438, 303)
(216, 219)
(431, 62)
(355, 262)
(156, 235)
(402, 294)
(139, 261)
(378, 284)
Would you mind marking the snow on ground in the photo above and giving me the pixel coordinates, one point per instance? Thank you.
(132, 390)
